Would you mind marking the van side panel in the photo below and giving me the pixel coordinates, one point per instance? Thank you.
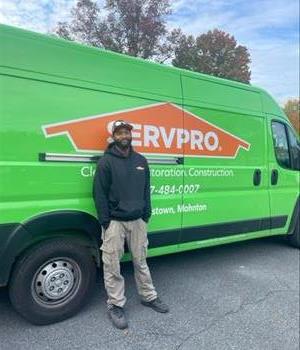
(227, 196)
(30, 187)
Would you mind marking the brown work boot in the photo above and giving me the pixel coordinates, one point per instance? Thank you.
(156, 305)
(117, 316)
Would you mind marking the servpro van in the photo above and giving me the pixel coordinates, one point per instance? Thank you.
(223, 157)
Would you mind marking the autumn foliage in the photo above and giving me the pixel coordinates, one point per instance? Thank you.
(138, 28)
(292, 110)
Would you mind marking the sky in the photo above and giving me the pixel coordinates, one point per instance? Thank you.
(268, 28)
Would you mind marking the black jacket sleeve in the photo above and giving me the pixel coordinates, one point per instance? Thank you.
(102, 182)
(147, 195)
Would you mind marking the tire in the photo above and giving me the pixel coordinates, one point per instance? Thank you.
(294, 238)
(52, 281)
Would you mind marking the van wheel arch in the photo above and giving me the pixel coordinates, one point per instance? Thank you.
(294, 238)
(294, 229)
(79, 226)
(64, 220)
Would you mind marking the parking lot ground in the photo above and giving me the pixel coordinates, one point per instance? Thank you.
(237, 296)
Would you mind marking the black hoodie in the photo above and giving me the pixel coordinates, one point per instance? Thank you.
(122, 186)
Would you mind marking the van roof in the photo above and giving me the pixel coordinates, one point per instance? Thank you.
(35, 53)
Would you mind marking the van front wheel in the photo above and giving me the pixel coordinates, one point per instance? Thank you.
(52, 281)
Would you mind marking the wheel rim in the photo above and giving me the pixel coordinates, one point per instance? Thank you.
(56, 282)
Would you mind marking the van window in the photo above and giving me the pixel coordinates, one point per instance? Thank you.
(281, 144)
(294, 145)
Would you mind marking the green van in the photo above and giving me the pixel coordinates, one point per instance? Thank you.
(224, 162)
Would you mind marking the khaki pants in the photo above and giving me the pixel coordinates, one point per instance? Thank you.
(135, 233)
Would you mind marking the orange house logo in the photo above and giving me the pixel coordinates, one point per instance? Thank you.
(158, 129)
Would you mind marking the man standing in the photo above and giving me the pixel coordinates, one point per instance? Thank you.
(122, 199)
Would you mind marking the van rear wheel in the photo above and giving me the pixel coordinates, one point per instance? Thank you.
(52, 281)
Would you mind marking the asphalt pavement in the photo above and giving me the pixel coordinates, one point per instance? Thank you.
(238, 296)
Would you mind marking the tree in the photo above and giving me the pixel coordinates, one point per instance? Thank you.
(215, 53)
(138, 28)
(292, 110)
(84, 24)
(134, 27)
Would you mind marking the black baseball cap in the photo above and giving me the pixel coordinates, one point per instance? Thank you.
(121, 124)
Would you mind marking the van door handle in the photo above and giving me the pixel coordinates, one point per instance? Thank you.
(274, 177)
(257, 177)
